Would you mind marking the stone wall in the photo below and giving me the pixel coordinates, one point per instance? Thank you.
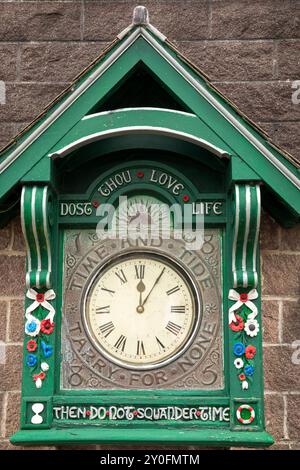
(251, 51)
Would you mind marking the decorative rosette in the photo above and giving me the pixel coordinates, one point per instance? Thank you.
(39, 328)
(244, 325)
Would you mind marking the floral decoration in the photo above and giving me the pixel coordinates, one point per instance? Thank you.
(244, 327)
(40, 328)
(32, 326)
(31, 345)
(238, 349)
(250, 352)
(47, 349)
(47, 327)
(31, 360)
(238, 324)
(251, 327)
(239, 363)
(249, 371)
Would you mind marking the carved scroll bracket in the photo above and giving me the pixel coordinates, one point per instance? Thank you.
(35, 219)
(246, 235)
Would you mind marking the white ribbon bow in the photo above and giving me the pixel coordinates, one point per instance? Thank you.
(33, 295)
(234, 295)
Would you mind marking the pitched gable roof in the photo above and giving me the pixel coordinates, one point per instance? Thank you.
(211, 108)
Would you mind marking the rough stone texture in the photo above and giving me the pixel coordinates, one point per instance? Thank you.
(1, 410)
(256, 19)
(102, 22)
(274, 415)
(5, 237)
(23, 100)
(47, 62)
(243, 60)
(7, 131)
(291, 239)
(281, 375)
(11, 371)
(16, 321)
(18, 243)
(269, 233)
(8, 61)
(294, 418)
(295, 446)
(252, 48)
(12, 275)
(287, 135)
(3, 319)
(6, 445)
(270, 319)
(281, 274)
(13, 413)
(263, 101)
(288, 60)
(291, 321)
(39, 21)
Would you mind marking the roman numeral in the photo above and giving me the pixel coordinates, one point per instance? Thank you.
(105, 309)
(121, 276)
(112, 292)
(107, 328)
(120, 344)
(160, 345)
(140, 350)
(178, 309)
(173, 328)
(139, 271)
(171, 291)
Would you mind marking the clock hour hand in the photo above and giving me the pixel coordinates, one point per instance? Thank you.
(156, 282)
(141, 288)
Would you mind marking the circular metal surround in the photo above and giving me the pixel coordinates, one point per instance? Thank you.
(174, 264)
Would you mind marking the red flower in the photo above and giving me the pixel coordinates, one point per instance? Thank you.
(31, 345)
(40, 298)
(250, 352)
(41, 376)
(238, 325)
(244, 297)
(242, 377)
(47, 327)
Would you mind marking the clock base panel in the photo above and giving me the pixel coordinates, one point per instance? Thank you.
(188, 436)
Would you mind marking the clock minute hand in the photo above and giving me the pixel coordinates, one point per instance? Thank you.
(153, 286)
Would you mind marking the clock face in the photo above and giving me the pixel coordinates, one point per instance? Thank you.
(141, 310)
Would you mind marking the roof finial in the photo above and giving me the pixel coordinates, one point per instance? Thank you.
(140, 15)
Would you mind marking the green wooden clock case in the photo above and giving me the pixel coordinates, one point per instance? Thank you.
(142, 108)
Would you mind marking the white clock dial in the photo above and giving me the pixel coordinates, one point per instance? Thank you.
(141, 311)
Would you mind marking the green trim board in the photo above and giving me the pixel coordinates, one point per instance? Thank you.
(191, 436)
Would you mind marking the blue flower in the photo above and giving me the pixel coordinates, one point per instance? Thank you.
(47, 349)
(249, 370)
(32, 326)
(238, 349)
(31, 360)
